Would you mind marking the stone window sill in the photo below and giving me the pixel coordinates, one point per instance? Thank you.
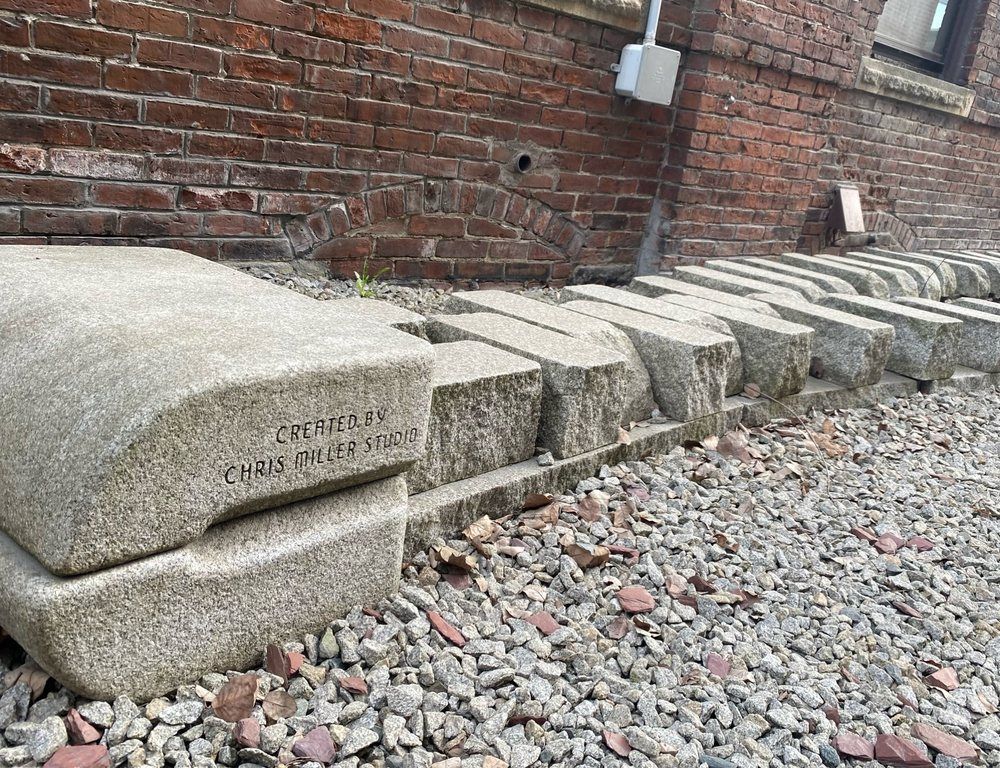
(622, 14)
(901, 84)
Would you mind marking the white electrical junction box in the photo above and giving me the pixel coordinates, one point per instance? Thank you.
(647, 72)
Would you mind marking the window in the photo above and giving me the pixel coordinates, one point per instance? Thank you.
(930, 35)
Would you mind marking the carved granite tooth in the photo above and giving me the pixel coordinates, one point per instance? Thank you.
(865, 282)
(720, 281)
(807, 288)
(989, 265)
(928, 283)
(925, 343)
(900, 282)
(149, 393)
(654, 286)
(979, 347)
(958, 278)
(640, 402)
(829, 283)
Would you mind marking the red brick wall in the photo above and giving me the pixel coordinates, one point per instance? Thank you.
(332, 130)
(768, 123)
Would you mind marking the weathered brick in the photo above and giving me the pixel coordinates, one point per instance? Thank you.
(142, 18)
(87, 41)
(169, 53)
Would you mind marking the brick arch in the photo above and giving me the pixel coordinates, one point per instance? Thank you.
(899, 230)
(441, 230)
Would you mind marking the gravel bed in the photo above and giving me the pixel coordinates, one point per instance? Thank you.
(426, 300)
(781, 597)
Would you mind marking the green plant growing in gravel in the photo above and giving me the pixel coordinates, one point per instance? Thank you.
(365, 282)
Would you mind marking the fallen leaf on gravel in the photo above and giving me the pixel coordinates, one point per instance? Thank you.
(620, 518)
(644, 627)
(589, 509)
(247, 733)
(79, 730)
(522, 719)
(536, 592)
(617, 743)
(920, 544)
(92, 756)
(235, 699)
(624, 438)
(278, 705)
(446, 630)
(945, 678)
(865, 534)
(945, 743)
(536, 500)
(276, 662)
(852, 746)
(636, 600)
(703, 585)
(588, 556)
(752, 391)
(906, 701)
(676, 585)
(988, 706)
(717, 665)
(544, 621)
(455, 559)
(637, 492)
(907, 609)
(457, 581)
(482, 529)
(828, 445)
(618, 628)
(31, 675)
(892, 750)
(723, 541)
(316, 745)
(356, 685)
(733, 445)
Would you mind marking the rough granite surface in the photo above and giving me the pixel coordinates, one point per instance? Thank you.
(727, 283)
(776, 353)
(640, 403)
(900, 282)
(148, 393)
(927, 280)
(583, 385)
(655, 286)
(864, 281)
(640, 303)
(941, 270)
(829, 283)
(988, 264)
(143, 628)
(686, 364)
(971, 280)
(379, 311)
(979, 347)
(847, 349)
(485, 408)
(803, 286)
(925, 343)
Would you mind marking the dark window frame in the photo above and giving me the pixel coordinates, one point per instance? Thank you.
(957, 29)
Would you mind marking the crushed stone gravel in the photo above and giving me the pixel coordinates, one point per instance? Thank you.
(764, 627)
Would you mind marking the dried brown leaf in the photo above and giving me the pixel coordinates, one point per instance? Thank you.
(536, 500)
(278, 705)
(31, 675)
(276, 662)
(481, 530)
(624, 438)
(455, 559)
(618, 628)
(589, 509)
(235, 699)
(588, 556)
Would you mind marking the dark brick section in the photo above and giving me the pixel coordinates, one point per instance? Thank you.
(337, 130)
(387, 130)
(768, 123)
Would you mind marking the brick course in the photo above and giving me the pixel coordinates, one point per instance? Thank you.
(385, 129)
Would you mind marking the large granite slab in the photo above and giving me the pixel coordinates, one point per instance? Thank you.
(485, 409)
(925, 343)
(900, 282)
(583, 385)
(148, 394)
(727, 283)
(979, 346)
(988, 264)
(378, 311)
(928, 283)
(980, 305)
(654, 286)
(829, 283)
(864, 281)
(640, 303)
(776, 353)
(847, 349)
(941, 270)
(143, 628)
(803, 286)
(639, 399)
(687, 365)
(958, 278)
